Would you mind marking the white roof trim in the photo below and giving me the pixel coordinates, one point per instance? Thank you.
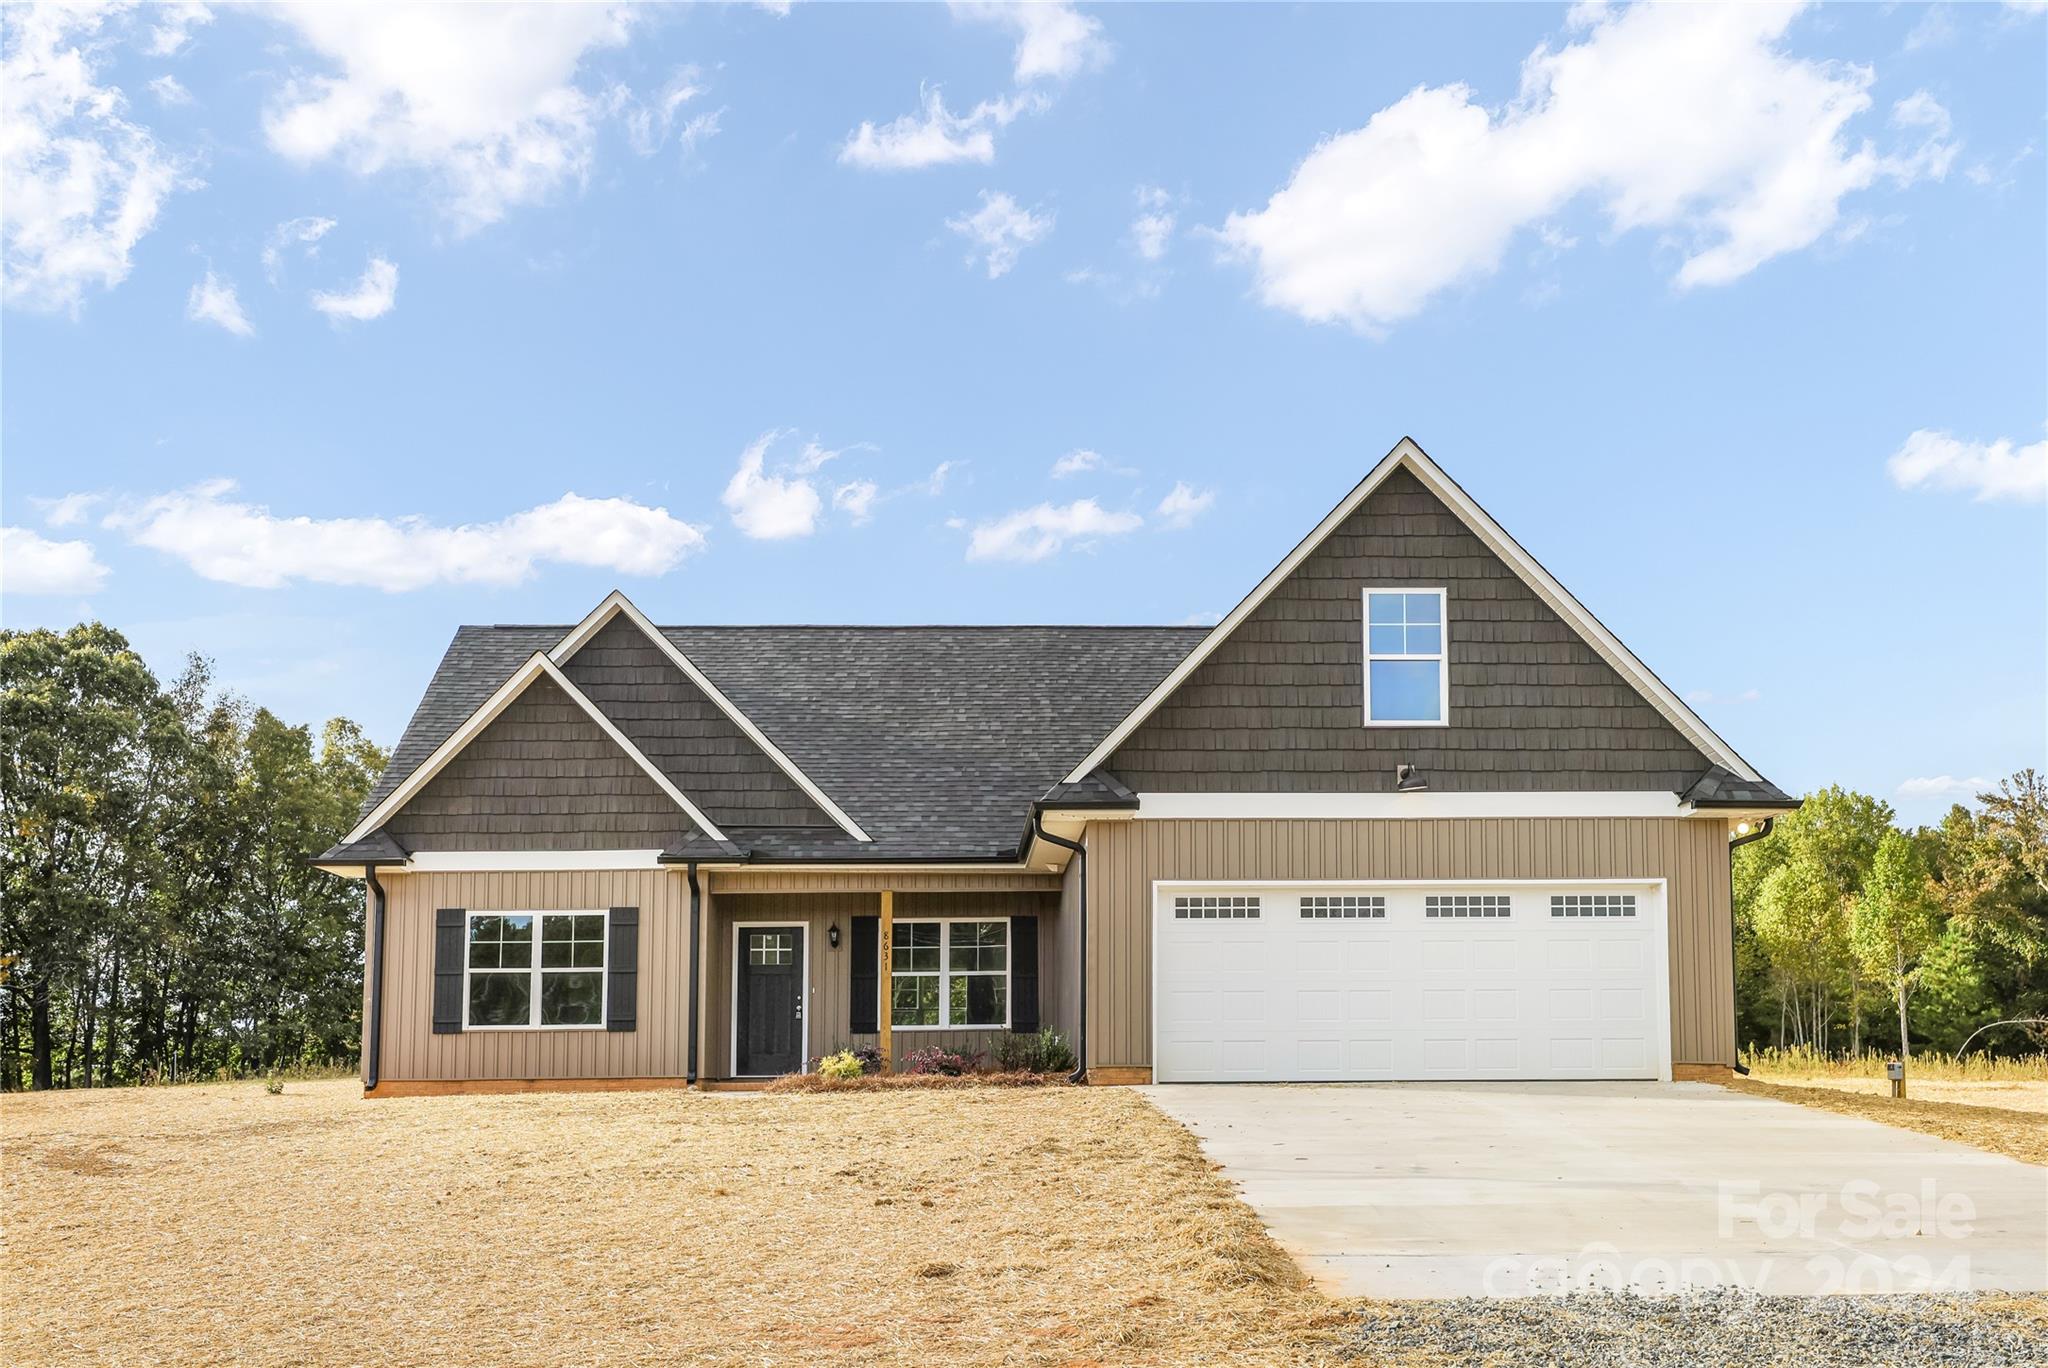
(1406, 453)
(536, 666)
(616, 603)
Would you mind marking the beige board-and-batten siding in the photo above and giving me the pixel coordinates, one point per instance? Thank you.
(1125, 858)
(654, 1049)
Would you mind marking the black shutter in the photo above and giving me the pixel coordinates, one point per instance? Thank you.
(1023, 973)
(622, 993)
(867, 949)
(448, 971)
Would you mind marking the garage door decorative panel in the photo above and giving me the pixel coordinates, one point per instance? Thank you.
(1409, 982)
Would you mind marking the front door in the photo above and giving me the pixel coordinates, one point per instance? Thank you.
(769, 1012)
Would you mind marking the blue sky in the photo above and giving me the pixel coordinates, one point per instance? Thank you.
(327, 330)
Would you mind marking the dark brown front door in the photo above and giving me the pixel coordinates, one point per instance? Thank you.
(769, 1015)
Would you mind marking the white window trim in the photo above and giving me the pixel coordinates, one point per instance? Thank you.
(534, 971)
(944, 972)
(1442, 655)
(804, 994)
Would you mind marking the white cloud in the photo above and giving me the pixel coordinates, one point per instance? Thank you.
(1054, 40)
(1077, 462)
(1152, 229)
(1687, 119)
(67, 511)
(649, 123)
(481, 99)
(31, 564)
(223, 539)
(82, 185)
(1200, 620)
(375, 294)
(1944, 786)
(934, 484)
(1707, 697)
(1986, 470)
(999, 231)
(305, 231)
(169, 91)
(934, 137)
(1935, 29)
(1182, 505)
(174, 25)
(768, 505)
(856, 499)
(213, 300)
(1032, 534)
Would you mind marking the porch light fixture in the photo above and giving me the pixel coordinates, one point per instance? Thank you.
(832, 935)
(1407, 780)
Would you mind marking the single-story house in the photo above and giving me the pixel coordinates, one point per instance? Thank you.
(1409, 811)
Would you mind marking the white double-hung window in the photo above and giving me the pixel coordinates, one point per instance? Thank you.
(508, 984)
(949, 973)
(1407, 680)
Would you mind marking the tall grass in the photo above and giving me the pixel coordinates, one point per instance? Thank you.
(1806, 1062)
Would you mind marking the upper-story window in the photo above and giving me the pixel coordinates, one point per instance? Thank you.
(1406, 682)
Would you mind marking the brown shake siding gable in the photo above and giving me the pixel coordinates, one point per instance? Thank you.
(702, 751)
(541, 776)
(1278, 707)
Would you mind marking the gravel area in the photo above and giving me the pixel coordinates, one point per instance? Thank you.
(1726, 1326)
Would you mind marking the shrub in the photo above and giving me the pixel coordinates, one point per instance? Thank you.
(1041, 1051)
(933, 1060)
(273, 1085)
(845, 1064)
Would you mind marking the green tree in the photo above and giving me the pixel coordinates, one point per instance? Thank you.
(1894, 922)
(1800, 922)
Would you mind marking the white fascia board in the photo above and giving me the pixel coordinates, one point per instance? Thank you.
(522, 678)
(1298, 806)
(507, 861)
(616, 603)
(1539, 580)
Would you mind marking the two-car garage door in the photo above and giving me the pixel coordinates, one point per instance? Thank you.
(1267, 983)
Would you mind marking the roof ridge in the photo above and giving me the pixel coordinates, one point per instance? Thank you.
(860, 627)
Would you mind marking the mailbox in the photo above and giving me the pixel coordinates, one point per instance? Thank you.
(1895, 1071)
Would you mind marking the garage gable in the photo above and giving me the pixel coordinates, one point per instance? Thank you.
(1540, 696)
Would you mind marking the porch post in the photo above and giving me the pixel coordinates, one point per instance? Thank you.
(883, 939)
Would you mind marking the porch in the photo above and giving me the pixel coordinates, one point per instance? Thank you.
(795, 967)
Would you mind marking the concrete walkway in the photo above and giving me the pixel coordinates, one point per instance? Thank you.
(1402, 1190)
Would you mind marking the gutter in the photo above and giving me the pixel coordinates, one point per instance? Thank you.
(374, 1045)
(1757, 835)
(1080, 1073)
(696, 941)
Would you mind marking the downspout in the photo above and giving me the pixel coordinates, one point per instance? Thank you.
(1080, 1073)
(376, 1032)
(696, 940)
(1756, 835)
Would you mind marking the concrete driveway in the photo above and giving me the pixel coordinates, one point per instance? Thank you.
(1509, 1189)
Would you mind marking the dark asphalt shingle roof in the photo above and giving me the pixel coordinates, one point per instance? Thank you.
(936, 740)
(1721, 787)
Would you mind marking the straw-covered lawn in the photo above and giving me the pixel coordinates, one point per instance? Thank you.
(1020, 1226)
(2020, 1131)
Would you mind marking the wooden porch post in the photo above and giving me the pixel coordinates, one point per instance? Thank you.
(883, 941)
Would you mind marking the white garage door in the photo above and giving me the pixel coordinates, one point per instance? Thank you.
(1412, 981)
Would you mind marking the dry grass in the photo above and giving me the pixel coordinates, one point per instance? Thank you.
(2018, 1095)
(1031, 1226)
(817, 1083)
(2020, 1134)
(1801, 1061)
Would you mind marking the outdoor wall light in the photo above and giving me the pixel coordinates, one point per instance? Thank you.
(832, 935)
(1406, 780)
